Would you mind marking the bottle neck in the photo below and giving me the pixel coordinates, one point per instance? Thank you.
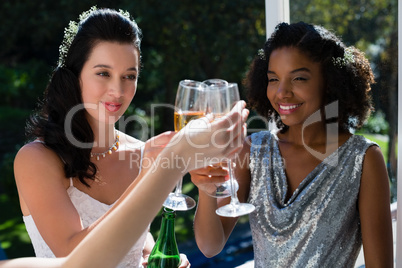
(165, 253)
(167, 226)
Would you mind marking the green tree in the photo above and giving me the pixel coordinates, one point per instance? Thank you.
(195, 40)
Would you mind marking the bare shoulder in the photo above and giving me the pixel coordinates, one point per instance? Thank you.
(374, 210)
(36, 155)
(374, 155)
(374, 173)
(373, 161)
(38, 171)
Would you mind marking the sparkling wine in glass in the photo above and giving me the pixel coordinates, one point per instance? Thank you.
(234, 208)
(190, 104)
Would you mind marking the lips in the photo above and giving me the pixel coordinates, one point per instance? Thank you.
(288, 108)
(112, 106)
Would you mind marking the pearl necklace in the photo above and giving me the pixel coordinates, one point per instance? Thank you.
(112, 148)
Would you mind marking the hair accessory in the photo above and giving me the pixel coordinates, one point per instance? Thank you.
(111, 149)
(71, 31)
(347, 58)
(261, 54)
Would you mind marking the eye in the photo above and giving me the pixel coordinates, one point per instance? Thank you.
(299, 78)
(130, 77)
(272, 79)
(106, 74)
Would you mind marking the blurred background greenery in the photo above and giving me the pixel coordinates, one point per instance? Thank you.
(182, 39)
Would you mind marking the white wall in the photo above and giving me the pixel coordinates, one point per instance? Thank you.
(275, 11)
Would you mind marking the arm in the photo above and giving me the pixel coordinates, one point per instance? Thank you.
(42, 187)
(42, 190)
(138, 209)
(146, 198)
(33, 262)
(374, 208)
(110, 241)
(212, 231)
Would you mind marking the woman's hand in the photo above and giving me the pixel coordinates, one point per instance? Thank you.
(184, 262)
(153, 147)
(204, 141)
(207, 178)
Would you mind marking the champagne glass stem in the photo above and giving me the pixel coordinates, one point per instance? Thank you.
(234, 208)
(233, 200)
(179, 186)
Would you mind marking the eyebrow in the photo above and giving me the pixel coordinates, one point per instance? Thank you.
(303, 69)
(109, 67)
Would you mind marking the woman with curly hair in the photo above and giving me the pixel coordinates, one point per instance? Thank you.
(320, 192)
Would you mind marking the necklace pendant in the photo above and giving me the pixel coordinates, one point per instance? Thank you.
(113, 148)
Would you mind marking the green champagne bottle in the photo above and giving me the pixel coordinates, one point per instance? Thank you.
(165, 253)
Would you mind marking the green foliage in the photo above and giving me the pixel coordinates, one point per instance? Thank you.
(376, 124)
(360, 23)
(194, 40)
(21, 85)
(182, 39)
(13, 236)
(12, 122)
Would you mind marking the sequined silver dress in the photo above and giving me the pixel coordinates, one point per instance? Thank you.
(319, 226)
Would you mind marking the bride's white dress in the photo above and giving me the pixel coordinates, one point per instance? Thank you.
(89, 210)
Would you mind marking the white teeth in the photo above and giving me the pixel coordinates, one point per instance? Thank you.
(289, 107)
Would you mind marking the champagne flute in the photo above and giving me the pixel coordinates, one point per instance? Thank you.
(219, 104)
(234, 208)
(190, 104)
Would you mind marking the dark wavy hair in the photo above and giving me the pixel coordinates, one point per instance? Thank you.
(63, 93)
(348, 83)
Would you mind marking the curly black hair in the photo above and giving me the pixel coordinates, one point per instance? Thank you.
(63, 94)
(347, 81)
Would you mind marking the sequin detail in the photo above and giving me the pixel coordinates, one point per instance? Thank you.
(319, 226)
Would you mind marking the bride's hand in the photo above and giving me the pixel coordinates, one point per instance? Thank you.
(153, 147)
